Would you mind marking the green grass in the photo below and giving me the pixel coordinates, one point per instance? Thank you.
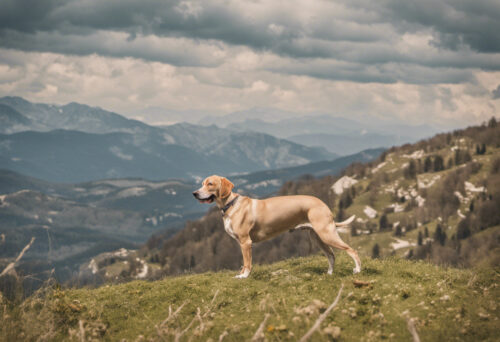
(287, 291)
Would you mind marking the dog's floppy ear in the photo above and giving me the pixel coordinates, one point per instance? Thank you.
(225, 187)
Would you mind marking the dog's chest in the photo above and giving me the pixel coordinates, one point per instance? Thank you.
(229, 228)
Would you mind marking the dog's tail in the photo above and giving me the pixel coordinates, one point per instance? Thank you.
(346, 222)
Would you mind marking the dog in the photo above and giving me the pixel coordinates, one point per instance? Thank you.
(249, 220)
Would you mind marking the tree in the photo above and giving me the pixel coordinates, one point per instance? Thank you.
(463, 230)
(354, 231)
(481, 149)
(340, 214)
(383, 222)
(427, 164)
(440, 235)
(426, 232)
(492, 123)
(398, 232)
(438, 163)
(410, 172)
(375, 251)
(345, 200)
(420, 239)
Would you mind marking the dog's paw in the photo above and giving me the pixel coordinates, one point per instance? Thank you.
(356, 270)
(330, 271)
(243, 275)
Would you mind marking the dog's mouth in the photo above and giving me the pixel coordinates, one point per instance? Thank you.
(209, 199)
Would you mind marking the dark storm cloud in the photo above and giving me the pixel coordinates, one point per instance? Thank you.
(456, 23)
(361, 31)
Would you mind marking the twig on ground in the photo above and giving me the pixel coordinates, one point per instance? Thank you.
(172, 315)
(179, 334)
(224, 334)
(82, 331)
(259, 334)
(322, 317)
(13, 264)
(412, 329)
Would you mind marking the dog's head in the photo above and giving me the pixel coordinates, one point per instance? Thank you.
(212, 188)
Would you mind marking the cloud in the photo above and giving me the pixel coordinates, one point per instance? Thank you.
(496, 93)
(346, 56)
(361, 30)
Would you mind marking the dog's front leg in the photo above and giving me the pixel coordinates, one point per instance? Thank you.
(246, 251)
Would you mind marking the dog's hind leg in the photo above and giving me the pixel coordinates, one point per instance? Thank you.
(327, 250)
(328, 234)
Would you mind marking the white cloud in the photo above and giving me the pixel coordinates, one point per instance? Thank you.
(351, 58)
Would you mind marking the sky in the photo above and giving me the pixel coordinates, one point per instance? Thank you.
(425, 61)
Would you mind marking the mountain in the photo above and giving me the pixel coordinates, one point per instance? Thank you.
(74, 142)
(337, 135)
(435, 200)
(12, 121)
(262, 114)
(73, 116)
(347, 143)
(270, 181)
(74, 222)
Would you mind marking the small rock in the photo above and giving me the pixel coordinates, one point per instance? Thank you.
(484, 316)
(445, 298)
(333, 331)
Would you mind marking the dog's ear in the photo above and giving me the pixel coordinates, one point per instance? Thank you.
(225, 187)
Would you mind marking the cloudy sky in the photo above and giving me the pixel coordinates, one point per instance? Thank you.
(422, 61)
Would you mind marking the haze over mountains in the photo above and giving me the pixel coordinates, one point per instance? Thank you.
(336, 134)
(74, 143)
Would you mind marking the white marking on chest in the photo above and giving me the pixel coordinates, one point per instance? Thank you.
(229, 228)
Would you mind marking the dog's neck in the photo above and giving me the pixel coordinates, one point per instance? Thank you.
(222, 202)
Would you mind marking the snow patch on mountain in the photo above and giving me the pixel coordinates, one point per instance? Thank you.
(344, 182)
(370, 212)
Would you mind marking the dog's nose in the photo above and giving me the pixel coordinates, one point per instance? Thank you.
(195, 193)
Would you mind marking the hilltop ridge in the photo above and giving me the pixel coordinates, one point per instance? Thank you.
(446, 304)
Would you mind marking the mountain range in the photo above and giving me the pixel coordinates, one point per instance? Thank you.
(336, 134)
(75, 143)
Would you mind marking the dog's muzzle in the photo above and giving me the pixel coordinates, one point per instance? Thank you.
(208, 199)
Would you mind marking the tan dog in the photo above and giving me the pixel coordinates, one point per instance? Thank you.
(250, 220)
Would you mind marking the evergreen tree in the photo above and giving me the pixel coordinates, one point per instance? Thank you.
(427, 164)
(438, 163)
(375, 251)
(426, 232)
(440, 235)
(420, 238)
(383, 222)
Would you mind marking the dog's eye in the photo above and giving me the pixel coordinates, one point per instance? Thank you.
(210, 184)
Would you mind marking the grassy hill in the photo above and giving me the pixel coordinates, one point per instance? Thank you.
(446, 304)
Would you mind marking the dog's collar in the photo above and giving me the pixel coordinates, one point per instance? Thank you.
(228, 205)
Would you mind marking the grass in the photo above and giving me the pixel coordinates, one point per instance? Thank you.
(446, 303)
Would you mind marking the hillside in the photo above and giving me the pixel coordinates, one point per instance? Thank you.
(445, 304)
(436, 200)
(74, 223)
